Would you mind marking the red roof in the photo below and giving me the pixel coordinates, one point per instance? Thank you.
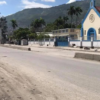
(98, 8)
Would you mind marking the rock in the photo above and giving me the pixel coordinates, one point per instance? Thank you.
(29, 49)
(86, 48)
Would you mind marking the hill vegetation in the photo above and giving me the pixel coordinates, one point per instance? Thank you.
(25, 17)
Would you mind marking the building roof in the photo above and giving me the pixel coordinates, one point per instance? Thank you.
(98, 8)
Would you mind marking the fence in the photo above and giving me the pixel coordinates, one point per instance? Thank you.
(89, 42)
(43, 42)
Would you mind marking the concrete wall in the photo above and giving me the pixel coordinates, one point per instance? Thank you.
(41, 43)
(77, 43)
(89, 56)
(96, 44)
(85, 43)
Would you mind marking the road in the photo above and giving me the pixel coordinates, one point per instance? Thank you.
(51, 75)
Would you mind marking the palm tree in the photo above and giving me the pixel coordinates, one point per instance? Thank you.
(71, 12)
(38, 24)
(42, 22)
(78, 11)
(14, 23)
(65, 19)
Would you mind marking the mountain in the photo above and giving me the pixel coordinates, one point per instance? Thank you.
(25, 17)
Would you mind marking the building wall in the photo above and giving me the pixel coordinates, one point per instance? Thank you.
(67, 32)
(88, 24)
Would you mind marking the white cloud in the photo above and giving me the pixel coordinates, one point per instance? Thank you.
(32, 4)
(3, 2)
(70, 1)
(48, 0)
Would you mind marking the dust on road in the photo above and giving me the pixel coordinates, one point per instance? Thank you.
(17, 86)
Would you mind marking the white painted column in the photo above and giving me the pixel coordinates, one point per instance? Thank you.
(81, 38)
(68, 41)
(92, 42)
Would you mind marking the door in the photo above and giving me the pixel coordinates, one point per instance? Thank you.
(91, 33)
(62, 41)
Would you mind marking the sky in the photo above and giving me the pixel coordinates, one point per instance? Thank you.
(8, 7)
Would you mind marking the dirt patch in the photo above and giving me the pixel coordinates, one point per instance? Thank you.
(16, 86)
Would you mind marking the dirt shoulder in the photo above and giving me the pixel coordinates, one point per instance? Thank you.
(17, 86)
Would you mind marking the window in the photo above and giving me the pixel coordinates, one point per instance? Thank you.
(59, 31)
(99, 31)
(66, 30)
(63, 31)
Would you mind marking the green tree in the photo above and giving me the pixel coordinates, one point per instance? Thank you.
(14, 23)
(21, 33)
(78, 11)
(71, 12)
(65, 19)
(59, 22)
(32, 36)
(3, 26)
(79, 26)
(38, 24)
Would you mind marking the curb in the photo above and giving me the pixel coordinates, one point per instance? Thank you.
(87, 56)
(67, 49)
(20, 48)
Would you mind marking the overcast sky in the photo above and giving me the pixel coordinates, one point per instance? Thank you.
(8, 7)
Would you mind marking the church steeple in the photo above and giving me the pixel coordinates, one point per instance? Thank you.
(92, 3)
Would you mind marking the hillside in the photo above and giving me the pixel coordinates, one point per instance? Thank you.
(25, 17)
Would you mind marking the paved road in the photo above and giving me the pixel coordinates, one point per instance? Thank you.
(62, 77)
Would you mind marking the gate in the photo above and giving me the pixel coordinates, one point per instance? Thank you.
(62, 41)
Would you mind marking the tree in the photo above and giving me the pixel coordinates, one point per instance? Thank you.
(71, 12)
(41, 36)
(59, 22)
(78, 11)
(32, 36)
(79, 26)
(3, 26)
(14, 23)
(49, 27)
(38, 24)
(21, 33)
(65, 19)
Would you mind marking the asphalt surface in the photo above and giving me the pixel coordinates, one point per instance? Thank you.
(71, 79)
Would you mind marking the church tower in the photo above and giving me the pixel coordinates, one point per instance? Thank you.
(92, 3)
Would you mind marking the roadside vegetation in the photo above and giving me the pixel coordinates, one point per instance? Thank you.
(38, 28)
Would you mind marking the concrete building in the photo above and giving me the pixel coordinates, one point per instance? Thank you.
(73, 33)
